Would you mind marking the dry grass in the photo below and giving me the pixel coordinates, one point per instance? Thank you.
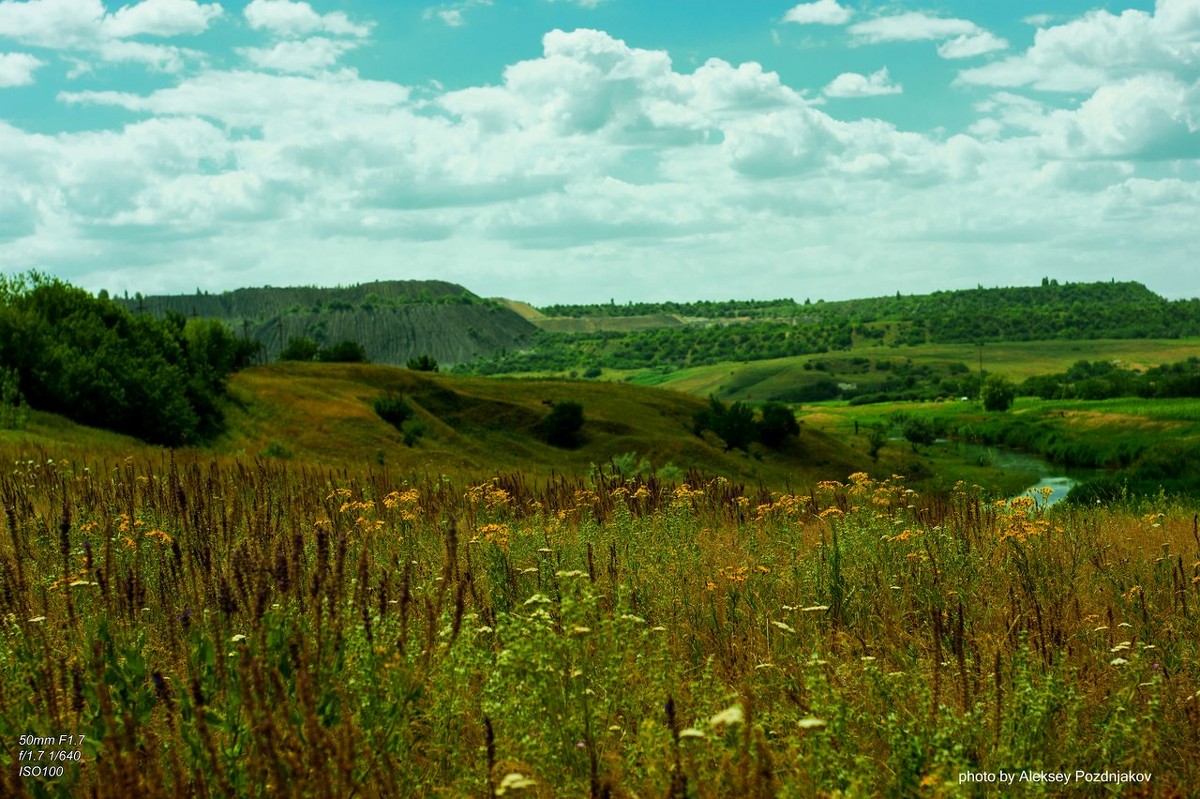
(257, 628)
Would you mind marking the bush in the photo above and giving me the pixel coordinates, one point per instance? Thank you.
(343, 352)
(422, 363)
(997, 393)
(777, 424)
(733, 424)
(562, 427)
(13, 412)
(300, 348)
(393, 409)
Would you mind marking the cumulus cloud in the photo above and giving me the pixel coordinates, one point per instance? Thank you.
(822, 12)
(912, 26)
(86, 26)
(580, 3)
(971, 45)
(1085, 53)
(288, 18)
(852, 84)
(162, 18)
(16, 69)
(299, 55)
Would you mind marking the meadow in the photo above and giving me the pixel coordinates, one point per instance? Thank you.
(250, 626)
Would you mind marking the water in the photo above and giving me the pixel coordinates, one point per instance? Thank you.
(1059, 478)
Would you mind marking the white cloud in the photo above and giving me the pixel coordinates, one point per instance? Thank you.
(299, 55)
(16, 69)
(971, 45)
(162, 18)
(912, 26)
(453, 15)
(85, 26)
(287, 18)
(1085, 53)
(822, 12)
(852, 84)
(56, 24)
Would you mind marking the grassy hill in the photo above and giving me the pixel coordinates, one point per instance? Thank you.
(474, 427)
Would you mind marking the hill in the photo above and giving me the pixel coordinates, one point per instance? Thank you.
(322, 414)
(394, 320)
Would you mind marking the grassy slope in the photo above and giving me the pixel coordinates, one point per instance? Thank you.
(483, 425)
(322, 413)
(1017, 360)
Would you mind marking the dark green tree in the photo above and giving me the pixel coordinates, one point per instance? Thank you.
(300, 348)
(734, 424)
(564, 425)
(777, 424)
(918, 431)
(422, 363)
(343, 352)
(997, 393)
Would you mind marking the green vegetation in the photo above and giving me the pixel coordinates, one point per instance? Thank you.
(94, 362)
(423, 363)
(1106, 380)
(245, 629)
(753, 331)
(303, 348)
(997, 393)
(737, 426)
(564, 426)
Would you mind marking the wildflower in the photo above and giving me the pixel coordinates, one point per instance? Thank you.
(729, 716)
(811, 723)
(691, 732)
(239, 637)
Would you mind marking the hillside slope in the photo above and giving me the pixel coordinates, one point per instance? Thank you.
(394, 320)
(480, 426)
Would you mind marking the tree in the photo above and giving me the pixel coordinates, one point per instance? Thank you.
(777, 424)
(422, 363)
(918, 431)
(562, 427)
(300, 348)
(343, 352)
(733, 424)
(997, 393)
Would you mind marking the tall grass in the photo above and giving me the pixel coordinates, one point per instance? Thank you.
(261, 628)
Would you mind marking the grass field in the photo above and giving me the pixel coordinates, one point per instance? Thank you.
(1015, 360)
(264, 628)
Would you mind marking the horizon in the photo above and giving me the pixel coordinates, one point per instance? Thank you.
(582, 151)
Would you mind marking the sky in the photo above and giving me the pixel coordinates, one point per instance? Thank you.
(597, 150)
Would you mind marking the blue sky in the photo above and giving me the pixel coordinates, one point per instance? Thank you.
(587, 150)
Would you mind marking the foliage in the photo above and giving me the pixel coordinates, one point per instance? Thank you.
(777, 424)
(917, 430)
(423, 363)
(393, 409)
(300, 348)
(343, 352)
(733, 424)
(563, 426)
(13, 411)
(96, 363)
(267, 624)
(998, 393)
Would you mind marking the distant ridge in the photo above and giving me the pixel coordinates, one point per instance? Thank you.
(394, 320)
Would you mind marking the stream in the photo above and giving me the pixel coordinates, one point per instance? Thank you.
(1059, 478)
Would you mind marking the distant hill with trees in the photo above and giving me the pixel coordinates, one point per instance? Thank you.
(394, 320)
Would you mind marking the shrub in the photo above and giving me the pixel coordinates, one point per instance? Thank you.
(422, 363)
(777, 424)
(562, 427)
(343, 352)
(393, 409)
(997, 393)
(300, 348)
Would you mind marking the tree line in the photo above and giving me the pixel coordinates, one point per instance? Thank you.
(89, 359)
